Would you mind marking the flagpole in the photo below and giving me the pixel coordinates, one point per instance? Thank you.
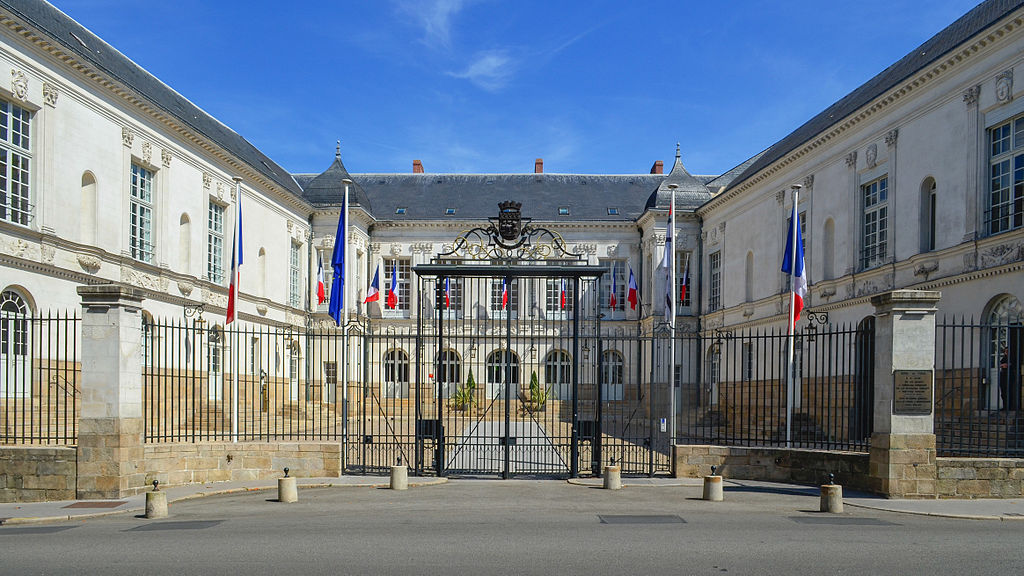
(237, 248)
(672, 319)
(792, 305)
(344, 308)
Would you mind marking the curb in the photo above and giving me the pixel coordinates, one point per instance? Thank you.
(1000, 518)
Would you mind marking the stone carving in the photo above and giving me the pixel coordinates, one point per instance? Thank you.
(90, 264)
(220, 191)
(396, 249)
(925, 268)
(49, 94)
(612, 250)
(713, 322)
(871, 155)
(147, 153)
(184, 287)
(1002, 254)
(658, 239)
(422, 247)
(15, 247)
(47, 253)
(808, 184)
(827, 293)
(444, 248)
(165, 157)
(714, 236)
(19, 84)
(262, 309)
(585, 248)
(374, 247)
(289, 224)
(780, 197)
(207, 180)
(748, 311)
(891, 136)
(1004, 86)
(139, 279)
(127, 137)
(215, 298)
(233, 193)
(851, 159)
(970, 261)
(867, 287)
(971, 95)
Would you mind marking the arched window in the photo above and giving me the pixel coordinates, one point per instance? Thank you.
(558, 373)
(396, 374)
(87, 214)
(928, 214)
(214, 356)
(14, 345)
(611, 375)
(712, 375)
(449, 372)
(294, 368)
(1005, 352)
(502, 370)
(829, 258)
(148, 335)
(748, 278)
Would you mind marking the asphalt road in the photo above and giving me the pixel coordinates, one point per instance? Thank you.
(514, 527)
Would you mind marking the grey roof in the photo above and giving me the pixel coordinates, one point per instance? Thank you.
(981, 17)
(690, 192)
(725, 179)
(73, 38)
(328, 188)
(476, 196)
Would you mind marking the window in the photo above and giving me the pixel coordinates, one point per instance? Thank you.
(449, 296)
(1005, 209)
(875, 238)
(748, 279)
(611, 375)
(215, 243)
(928, 206)
(400, 210)
(502, 370)
(558, 373)
(747, 350)
(715, 281)
(612, 211)
(498, 296)
(396, 374)
(449, 372)
(616, 271)
(295, 275)
(15, 157)
(558, 297)
(683, 278)
(401, 267)
(563, 210)
(13, 324)
(449, 211)
(214, 353)
(140, 234)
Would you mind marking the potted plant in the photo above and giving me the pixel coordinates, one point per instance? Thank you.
(464, 398)
(538, 394)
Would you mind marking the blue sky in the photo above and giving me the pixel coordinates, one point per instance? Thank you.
(602, 87)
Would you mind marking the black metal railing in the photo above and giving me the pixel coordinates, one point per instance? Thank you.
(40, 377)
(978, 388)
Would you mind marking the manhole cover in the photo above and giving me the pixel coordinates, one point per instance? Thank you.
(191, 525)
(34, 530)
(841, 521)
(640, 519)
(97, 504)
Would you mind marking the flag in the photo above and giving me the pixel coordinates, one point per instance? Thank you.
(634, 292)
(337, 302)
(320, 294)
(236, 263)
(373, 292)
(793, 264)
(561, 296)
(686, 278)
(667, 262)
(447, 293)
(504, 294)
(611, 298)
(392, 300)
(666, 259)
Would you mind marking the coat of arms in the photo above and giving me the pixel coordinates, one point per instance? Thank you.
(509, 220)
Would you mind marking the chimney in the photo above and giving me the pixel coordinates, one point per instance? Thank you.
(417, 167)
(658, 168)
(538, 166)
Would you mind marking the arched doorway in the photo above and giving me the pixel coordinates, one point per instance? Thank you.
(14, 345)
(1003, 353)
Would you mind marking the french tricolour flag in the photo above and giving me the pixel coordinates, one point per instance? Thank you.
(504, 294)
(373, 292)
(611, 298)
(562, 293)
(793, 264)
(447, 293)
(634, 292)
(321, 294)
(236, 263)
(392, 300)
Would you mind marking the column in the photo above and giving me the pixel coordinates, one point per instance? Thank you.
(110, 430)
(902, 456)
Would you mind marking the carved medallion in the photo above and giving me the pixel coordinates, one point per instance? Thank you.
(1004, 86)
(871, 155)
(49, 94)
(19, 84)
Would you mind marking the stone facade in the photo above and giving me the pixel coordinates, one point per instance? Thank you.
(177, 464)
(37, 473)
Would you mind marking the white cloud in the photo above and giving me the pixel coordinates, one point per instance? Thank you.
(435, 18)
(490, 70)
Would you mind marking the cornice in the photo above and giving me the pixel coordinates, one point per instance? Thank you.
(953, 60)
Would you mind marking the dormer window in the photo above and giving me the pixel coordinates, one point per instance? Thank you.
(400, 210)
(563, 210)
(449, 211)
(612, 211)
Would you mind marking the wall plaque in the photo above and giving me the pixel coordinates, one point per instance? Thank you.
(913, 393)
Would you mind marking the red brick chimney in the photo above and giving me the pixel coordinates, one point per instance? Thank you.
(658, 168)
(417, 167)
(538, 166)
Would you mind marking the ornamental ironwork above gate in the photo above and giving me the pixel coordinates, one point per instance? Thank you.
(510, 237)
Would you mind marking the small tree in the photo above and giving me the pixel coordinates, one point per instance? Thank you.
(465, 396)
(538, 395)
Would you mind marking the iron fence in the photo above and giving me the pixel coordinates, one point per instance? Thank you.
(40, 380)
(978, 380)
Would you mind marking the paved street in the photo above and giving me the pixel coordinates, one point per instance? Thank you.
(514, 527)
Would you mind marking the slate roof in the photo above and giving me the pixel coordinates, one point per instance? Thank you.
(690, 192)
(977, 20)
(328, 188)
(73, 38)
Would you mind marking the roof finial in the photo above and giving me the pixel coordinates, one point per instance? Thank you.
(337, 152)
(677, 150)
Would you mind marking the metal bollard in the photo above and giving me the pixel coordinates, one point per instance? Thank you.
(831, 496)
(156, 502)
(713, 487)
(613, 477)
(399, 476)
(287, 489)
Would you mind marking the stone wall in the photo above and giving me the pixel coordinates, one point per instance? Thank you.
(810, 467)
(37, 473)
(177, 464)
(980, 477)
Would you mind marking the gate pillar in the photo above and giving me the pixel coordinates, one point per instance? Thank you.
(110, 443)
(902, 453)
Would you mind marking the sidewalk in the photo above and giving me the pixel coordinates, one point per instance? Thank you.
(36, 512)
